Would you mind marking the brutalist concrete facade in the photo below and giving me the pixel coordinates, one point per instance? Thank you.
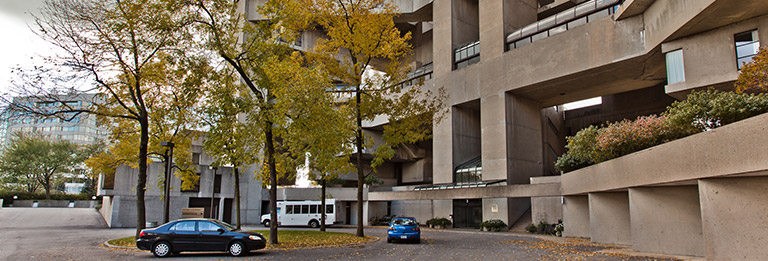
(507, 66)
(214, 193)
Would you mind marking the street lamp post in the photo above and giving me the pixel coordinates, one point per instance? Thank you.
(213, 188)
(167, 187)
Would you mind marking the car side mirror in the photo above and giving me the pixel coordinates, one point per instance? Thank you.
(221, 230)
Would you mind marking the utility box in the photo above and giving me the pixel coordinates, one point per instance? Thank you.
(192, 212)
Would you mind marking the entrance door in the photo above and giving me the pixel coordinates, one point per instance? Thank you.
(467, 213)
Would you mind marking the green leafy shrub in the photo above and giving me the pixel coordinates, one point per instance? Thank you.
(701, 111)
(493, 225)
(380, 221)
(705, 110)
(546, 228)
(559, 228)
(531, 228)
(625, 137)
(439, 222)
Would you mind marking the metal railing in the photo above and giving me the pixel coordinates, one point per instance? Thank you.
(466, 55)
(581, 14)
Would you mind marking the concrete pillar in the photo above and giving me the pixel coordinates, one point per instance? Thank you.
(442, 149)
(576, 216)
(609, 219)
(666, 220)
(735, 217)
(547, 209)
(494, 136)
(442, 39)
(491, 29)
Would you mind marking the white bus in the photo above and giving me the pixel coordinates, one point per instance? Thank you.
(303, 213)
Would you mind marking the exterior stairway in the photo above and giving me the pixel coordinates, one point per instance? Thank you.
(521, 223)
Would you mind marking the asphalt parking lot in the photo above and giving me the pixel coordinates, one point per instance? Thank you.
(78, 234)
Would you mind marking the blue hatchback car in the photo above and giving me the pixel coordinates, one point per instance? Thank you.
(405, 229)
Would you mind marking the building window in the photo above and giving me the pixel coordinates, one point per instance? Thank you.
(675, 69)
(196, 187)
(470, 172)
(747, 45)
(217, 184)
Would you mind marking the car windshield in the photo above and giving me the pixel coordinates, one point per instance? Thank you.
(403, 222)
(225, 225)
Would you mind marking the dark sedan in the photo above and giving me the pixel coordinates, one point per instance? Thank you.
(198, 235)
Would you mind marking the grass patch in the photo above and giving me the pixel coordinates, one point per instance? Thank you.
(124, 242)
(295, 239)
(288, 239)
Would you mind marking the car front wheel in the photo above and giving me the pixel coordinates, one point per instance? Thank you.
(266, 223)
(161, 249)
(237, 249)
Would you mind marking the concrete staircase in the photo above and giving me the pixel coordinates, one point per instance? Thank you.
(522, 222)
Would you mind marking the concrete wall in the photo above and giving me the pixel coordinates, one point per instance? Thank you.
(496, 208)
(422, 210)
(106, 209)
(734, 217)
(732, 149)
(54, 203)
(710, 57)
(524, 141)
(442, 208)
(576, 216)
(666, 220)
(465, 22)
(466, 136)
(609, 219)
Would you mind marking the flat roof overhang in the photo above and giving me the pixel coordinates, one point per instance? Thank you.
(509, 191)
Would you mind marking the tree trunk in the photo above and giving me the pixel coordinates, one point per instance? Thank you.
(322, 206)
(141, 218)
(360, 175)
(237, 194)
(270, 146)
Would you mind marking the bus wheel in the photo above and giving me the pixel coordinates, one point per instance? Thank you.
(314, 224)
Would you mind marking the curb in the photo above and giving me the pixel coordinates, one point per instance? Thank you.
(106, 244)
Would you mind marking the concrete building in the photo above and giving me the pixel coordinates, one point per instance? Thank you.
(215, 193)
(508, 65)
(77, 129)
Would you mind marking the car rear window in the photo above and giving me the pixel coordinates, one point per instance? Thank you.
(403, 222)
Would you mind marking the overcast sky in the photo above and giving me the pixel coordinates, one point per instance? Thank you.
(20, 46)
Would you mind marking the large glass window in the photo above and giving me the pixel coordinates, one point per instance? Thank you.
(469, 172)
(675, 69)
(747, 46)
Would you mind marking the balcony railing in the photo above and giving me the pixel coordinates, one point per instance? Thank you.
(418, 76)
(466, 55)
(581, 14)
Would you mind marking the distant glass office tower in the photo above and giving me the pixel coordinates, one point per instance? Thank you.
(77, 128)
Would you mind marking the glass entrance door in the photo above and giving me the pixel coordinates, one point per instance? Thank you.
(467, 213)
